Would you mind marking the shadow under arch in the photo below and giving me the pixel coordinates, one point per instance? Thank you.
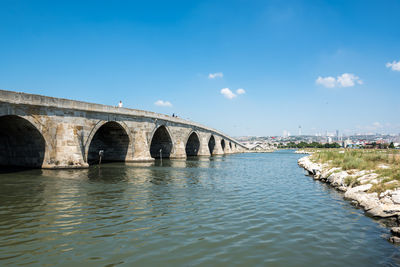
(192, 145)
(230, 144)
(211, 144)
(113, 139)
(161, 143)
(21, 143)
(223, 144)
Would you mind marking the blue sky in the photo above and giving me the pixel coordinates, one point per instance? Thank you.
(319, 64)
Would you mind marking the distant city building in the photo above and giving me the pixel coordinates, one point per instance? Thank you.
(286, 133)
(352, 141)
(347, 143)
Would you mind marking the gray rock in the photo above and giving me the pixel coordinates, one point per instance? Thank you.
(394, 239)
(385, 205)
(395, 231)
(396, 197)
(337, 179)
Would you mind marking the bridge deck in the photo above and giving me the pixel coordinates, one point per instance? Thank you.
(61, 103)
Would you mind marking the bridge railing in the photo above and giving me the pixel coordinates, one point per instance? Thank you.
(39, 100)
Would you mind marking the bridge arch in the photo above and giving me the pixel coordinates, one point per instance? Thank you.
(223, 145)
(21, 142)
(114, 138)
(192, 144)
(230, 145)
(211, 144)
(161, 139)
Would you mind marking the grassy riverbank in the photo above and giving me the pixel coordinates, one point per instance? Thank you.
(385, 163)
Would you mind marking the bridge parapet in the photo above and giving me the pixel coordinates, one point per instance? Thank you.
(75, 131)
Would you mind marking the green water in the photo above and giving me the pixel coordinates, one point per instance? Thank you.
(243, 209)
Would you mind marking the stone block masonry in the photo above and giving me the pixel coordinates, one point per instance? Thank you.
(47, 132)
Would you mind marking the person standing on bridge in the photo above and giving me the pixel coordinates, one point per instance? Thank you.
(120, 104)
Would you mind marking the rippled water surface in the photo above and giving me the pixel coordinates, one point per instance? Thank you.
(244, 209)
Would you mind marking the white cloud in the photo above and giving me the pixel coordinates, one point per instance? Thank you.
(215, 75)
(162, 103)
(394, 65)
(226, 92)
(328, 82)
(344, 80)
(240, 91)
(348, 80)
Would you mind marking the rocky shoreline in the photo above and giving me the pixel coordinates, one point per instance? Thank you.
(303, 152)
(356, 185)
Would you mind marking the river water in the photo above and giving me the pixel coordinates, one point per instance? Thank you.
(243, 209)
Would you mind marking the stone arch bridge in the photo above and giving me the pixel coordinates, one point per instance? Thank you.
(46, 132)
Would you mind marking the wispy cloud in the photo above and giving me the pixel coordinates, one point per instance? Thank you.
(215, 75)
(344, 80)
(162, 103)
(395, 65)
(240, 91)
(377, 125)
(226, 92)
(374, 127)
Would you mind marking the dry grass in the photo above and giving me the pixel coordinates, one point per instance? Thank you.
(386, 163)
(382, 187)
(352, 181)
